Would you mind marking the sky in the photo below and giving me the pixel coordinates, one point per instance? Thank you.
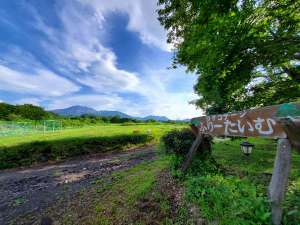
(104, 54)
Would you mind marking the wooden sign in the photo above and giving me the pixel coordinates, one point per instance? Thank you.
(279, 121)
(263, 122)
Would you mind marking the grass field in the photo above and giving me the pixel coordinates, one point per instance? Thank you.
(261, 161)
(257, 169)
(33, 148)
(237, 194)
(89, 132)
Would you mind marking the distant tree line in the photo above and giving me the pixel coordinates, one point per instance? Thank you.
(83, 120)
(10, 112)
(86, 119)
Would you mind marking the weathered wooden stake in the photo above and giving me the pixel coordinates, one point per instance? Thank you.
(192, 152)
(292, 129)
(279, 181)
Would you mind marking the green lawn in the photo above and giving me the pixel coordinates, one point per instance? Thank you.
(238, 193)
(257, 168)
(260, 162)
(34, 148)
(94, 131)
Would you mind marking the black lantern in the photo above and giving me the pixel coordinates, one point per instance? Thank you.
(246, 147)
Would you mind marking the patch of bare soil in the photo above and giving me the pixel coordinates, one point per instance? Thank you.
(28, 196)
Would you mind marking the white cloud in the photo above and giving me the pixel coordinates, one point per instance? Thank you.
(104, 76)
(171, 103)
(142, 18)
(77, 50)
(16, 57)
(96, 101)
(32, 101)
(22, 73)
(41, 83)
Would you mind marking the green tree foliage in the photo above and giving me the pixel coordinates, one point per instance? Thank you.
(6, 110)
(245, 52)
(32, 112)
(178, 141)
(21, 112)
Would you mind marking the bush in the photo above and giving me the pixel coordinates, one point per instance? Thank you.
(178, 141)
(27, 154)
(221, 199)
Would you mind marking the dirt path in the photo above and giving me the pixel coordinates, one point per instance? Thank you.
(26, 192)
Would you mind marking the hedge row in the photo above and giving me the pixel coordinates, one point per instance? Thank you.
(41, 151)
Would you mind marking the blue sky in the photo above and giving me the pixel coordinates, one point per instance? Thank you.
(105, 54)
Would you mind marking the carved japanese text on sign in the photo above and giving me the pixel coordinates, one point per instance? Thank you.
(257, 122)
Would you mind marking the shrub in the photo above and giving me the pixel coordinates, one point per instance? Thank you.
(178, 141)
(26, 154)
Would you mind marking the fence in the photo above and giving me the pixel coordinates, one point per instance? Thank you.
(13, 128)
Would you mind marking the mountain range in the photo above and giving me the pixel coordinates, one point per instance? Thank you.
(83, 110)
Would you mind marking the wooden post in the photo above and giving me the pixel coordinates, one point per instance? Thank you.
(279, 181)
(192, 152)
(292, 128)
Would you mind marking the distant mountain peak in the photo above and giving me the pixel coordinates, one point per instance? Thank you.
(80, 107)
(79, 110)
(76, 110)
